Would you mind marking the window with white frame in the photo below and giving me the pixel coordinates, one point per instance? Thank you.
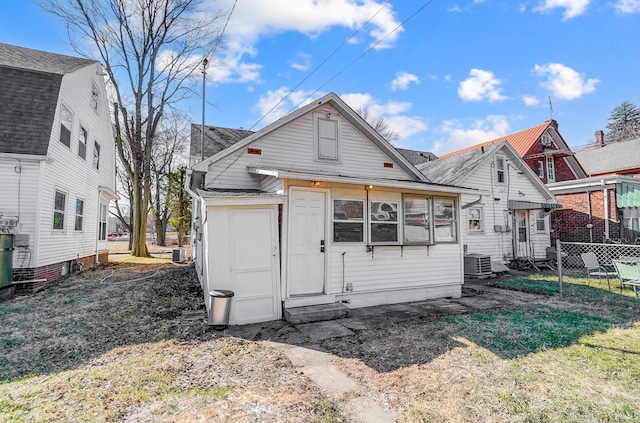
(540, 169)
(475, 220)
(82, 143)
(59, 206)
(65, 125)
(348, 220)
(96, 155)
(102, 224)
(327, 137)
(541, 225)
(383, 222)
(417, 220)
(551, 173)
(79, 214)
(95, 97)
(444, 211)
(500, 167)
(545, 140)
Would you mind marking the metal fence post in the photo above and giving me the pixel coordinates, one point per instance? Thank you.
(559, 257)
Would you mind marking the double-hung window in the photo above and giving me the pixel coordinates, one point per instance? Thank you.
(79, 214)
(500, 167)
(541, 226)
(59, 206)
(417, 220)
(475, 221)
(95, 96)
(540, 169)
(65, 125)
(102, 224)
(96, 155)
(383, 222)
(348, 220)
(444, 211)
(551, 173)
(82, 143)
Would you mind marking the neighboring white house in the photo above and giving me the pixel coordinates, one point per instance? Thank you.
(317, 208)
(57, 161)
(511, 222)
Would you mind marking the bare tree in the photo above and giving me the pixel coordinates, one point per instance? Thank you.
(150, 50)
(180, 203)
(624, 123)
(379, 124)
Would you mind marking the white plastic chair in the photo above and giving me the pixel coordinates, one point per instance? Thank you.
(594, 269)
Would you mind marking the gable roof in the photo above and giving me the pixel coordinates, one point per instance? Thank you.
(417, 157)
(30, 81)
(351, 116)
(216, 139)
(615, 157)
(454, 170)
(41, 61)
(520, 141)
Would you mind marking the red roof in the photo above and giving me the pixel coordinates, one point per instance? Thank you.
(520, 141)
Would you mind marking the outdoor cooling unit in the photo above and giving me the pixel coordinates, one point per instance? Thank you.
(477, 265)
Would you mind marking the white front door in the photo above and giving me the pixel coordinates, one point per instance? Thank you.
(521, 233)
(254, 264)
(307, 242)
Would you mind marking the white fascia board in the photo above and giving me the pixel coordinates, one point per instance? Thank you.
(421, 186)
(23, 157)
(108, 192)
(593, 184)
(243, 201)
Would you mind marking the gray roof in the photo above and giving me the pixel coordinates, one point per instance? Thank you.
(454, 169)
(417, 157)
(216, 139)
(615, 157)
(30, 83)
(42, 61)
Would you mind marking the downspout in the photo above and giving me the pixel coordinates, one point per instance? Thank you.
(590, 225)
(473, 203)
(98, 231)
(605, 190)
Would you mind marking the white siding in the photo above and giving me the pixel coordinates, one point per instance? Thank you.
(271, 184)
(292, 147)
(495, 210)
(77, 177)
(19, 198)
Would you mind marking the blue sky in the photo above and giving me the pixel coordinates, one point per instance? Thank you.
(444, 74)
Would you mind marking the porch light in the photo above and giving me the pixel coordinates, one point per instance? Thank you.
(368, 187)
(315, 184)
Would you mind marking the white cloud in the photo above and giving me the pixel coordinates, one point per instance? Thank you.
(481, 130)
(402, 81)
(564, 82)
(481, 85)
(627, 6)
(530, 100)
(572, 8)
(273, 105)
(303, 62)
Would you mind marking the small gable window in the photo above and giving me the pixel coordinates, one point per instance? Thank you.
(500, 166)
(327, 137)
(95, 97)
(65, 126)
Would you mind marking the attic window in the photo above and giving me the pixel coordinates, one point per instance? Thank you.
(95, 96)
(545, 140)
(327, 137)
(65, 126)
(82, 143)
(500, 169)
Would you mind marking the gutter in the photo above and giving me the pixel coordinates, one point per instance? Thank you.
(473, 203)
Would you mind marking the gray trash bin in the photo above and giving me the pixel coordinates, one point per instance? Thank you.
(219, 308)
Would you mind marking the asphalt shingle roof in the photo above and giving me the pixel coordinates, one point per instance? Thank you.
(452, 170)
(417, 157)
(615, 157)
(216, 139)
(29, 86)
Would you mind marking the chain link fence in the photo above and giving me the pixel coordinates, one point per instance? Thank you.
(573, 263)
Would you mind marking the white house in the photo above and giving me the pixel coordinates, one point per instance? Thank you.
(317, 208)
(513, 220)
(57, 162)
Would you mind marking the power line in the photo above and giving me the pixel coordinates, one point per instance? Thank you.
(320, 65)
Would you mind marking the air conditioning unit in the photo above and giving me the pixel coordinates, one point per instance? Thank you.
(477, 265)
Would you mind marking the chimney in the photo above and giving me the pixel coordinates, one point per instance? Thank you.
(599, 139)
(554, 123)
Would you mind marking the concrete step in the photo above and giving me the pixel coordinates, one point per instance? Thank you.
(316, 313)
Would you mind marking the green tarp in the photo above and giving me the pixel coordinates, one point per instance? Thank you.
(627, 195)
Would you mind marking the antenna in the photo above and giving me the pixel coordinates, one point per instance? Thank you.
(550, 109)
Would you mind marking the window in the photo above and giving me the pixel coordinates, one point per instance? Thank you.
(327, 136)
(95, 96)
(96, 155)
(82, 144)
(384, 222)
(65, 126)
(79, 214)
(551, 174)
(540, 169)
(58, 210)
(500, 169)
(475, 221)
(541, 225)
(545, 140)
(348, 221)
(102, 224)
(417, 224)
(444, 210)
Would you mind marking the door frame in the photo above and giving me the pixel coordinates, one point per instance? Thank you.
(516, 233)
(289, 228)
